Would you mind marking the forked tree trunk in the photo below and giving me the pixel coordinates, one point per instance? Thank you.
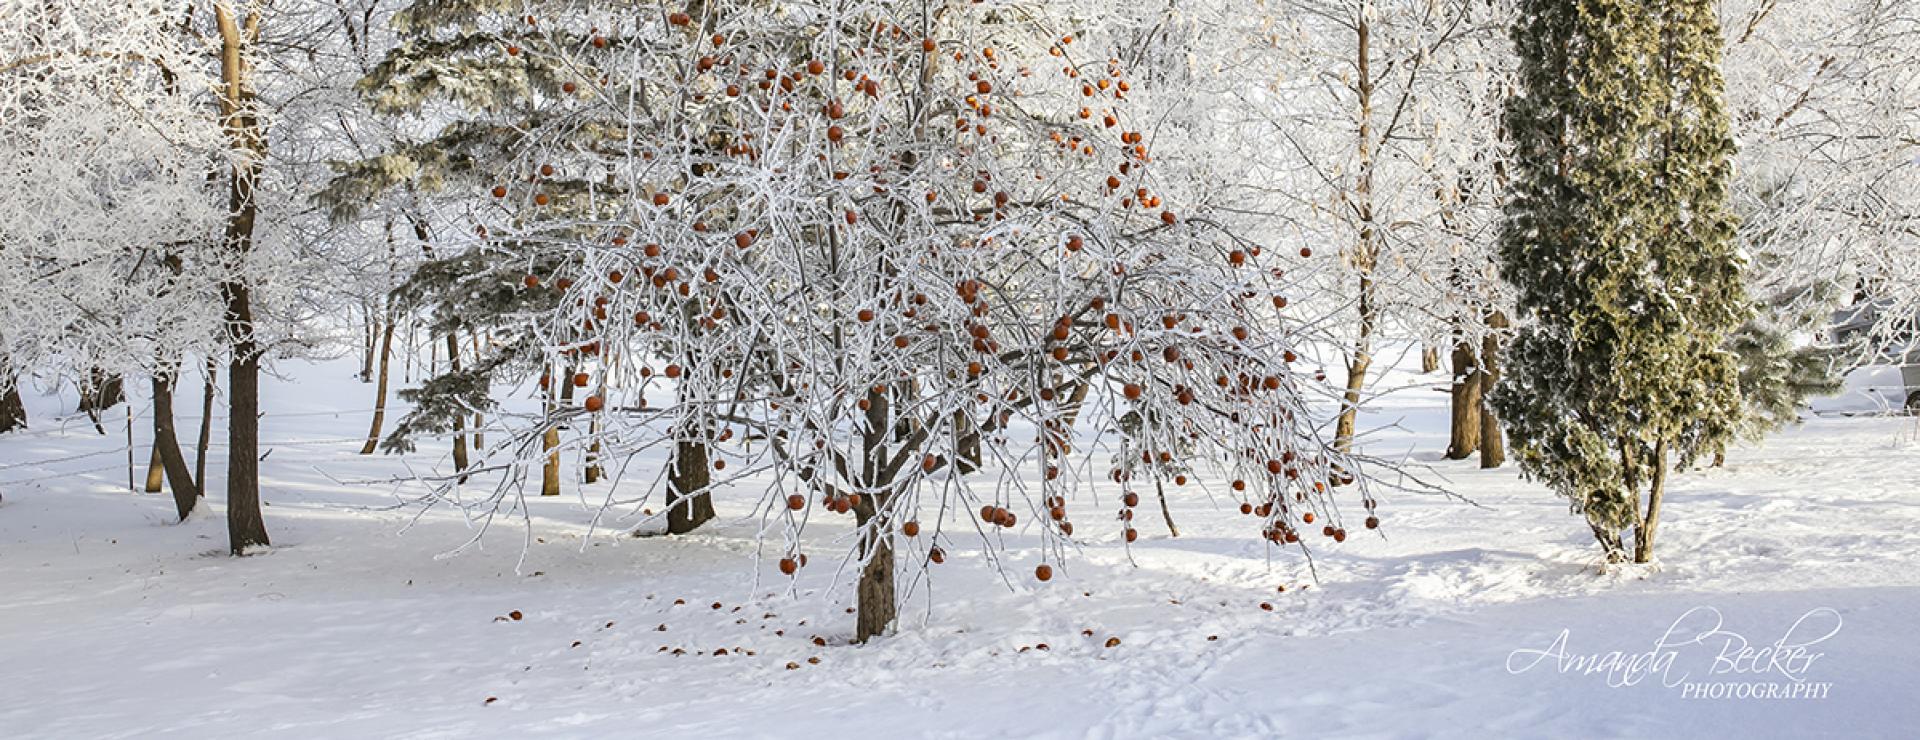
(1610, 544)
(1466, 403)
(380, 389)
(1650, 524)
(1493, 443)
(166, 448)
(689, 503)
(245, 527)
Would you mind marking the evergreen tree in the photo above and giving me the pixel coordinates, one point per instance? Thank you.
(1622, 249)
(509, 81)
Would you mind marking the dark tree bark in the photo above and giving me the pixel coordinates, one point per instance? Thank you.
(1466, 403)
(459, 420)
(875, 600)
(13, 412)
(689, 503)
(877, 608)
(166, 446)
(245, 527)
(206, 427)
(101, 392)
(1610, 544)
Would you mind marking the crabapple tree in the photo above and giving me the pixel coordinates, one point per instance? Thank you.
(888, 255)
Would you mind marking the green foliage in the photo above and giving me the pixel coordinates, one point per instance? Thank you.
(1621, 246)
(444, 400)
(486, 75)
(1779, 371)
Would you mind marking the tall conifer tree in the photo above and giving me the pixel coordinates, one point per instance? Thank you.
(1622, 249)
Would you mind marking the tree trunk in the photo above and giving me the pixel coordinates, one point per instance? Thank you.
(380, 390)
(1356, 371)
(479, 420)
(876, 599)
(156, 475)
(592, 473)
(550, 469)
(966, 443)
(1429, 359)
(1493, 444)
(1610, 543)
(689, 503)
(13, 412)
(876, 608)
(101, 392)
(370, 346)
(1466, 403)
(1165, 513)
(1650, 524)
(459, 419)
(245, 527)
(1366, 254)
(206, 427)
(166, 448)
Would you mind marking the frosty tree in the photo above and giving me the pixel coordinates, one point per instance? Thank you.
(109, 260)
(1371, 132)
(1621, 246)
(886, 255)
(1824, 101)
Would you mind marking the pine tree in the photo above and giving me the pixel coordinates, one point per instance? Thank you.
(503, 77)
(1621, 246)
(1778, 373)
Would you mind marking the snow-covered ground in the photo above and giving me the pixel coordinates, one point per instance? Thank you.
(1457, 620)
